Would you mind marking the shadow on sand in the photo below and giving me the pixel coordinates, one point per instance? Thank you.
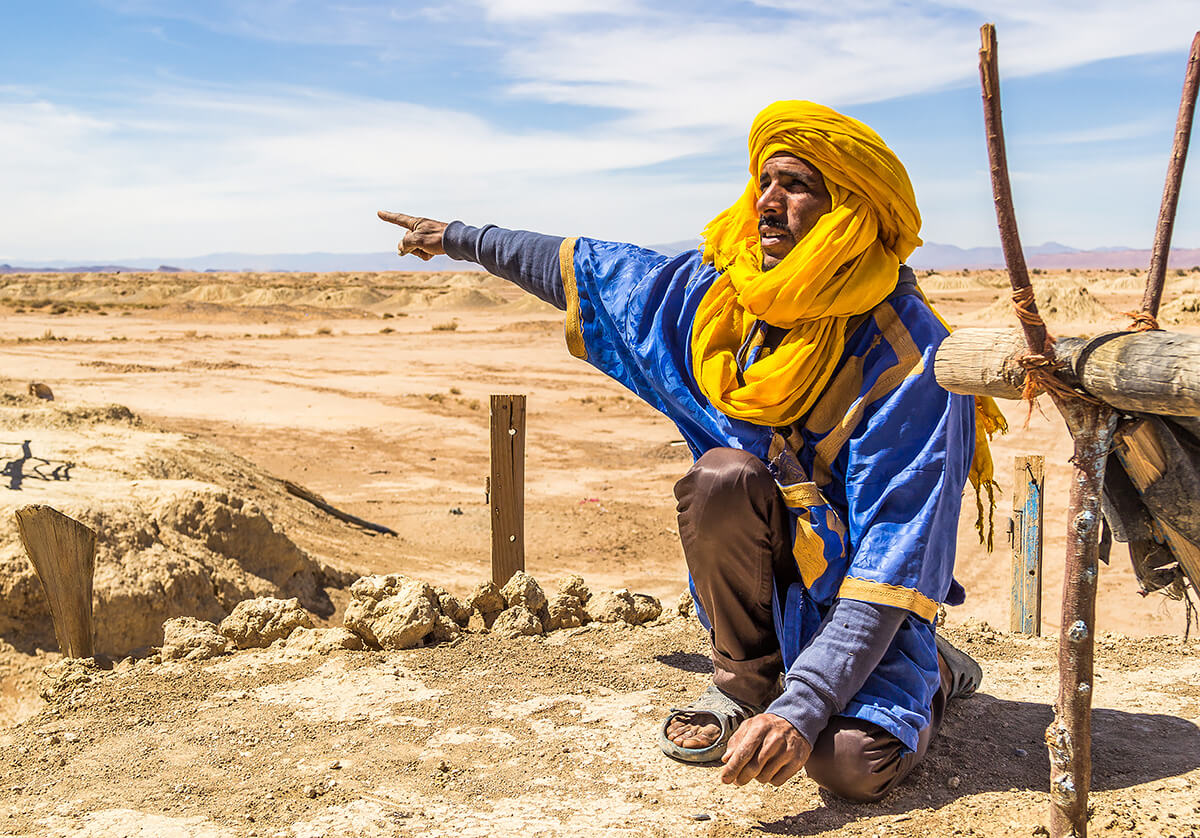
(996, 745)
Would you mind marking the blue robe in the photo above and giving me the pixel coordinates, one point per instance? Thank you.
(873, 475)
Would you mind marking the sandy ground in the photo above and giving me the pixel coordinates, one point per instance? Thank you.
(372, 390)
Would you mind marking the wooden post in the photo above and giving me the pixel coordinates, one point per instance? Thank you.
(1029, 482)
(63, 552)
(506, 490)
(1170, 199)
(1069, 736)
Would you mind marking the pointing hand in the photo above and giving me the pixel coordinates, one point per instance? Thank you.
(422, 237)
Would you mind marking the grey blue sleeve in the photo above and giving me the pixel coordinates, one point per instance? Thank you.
(833, 667)
(528, 260)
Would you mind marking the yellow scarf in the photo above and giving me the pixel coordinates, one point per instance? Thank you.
(845, 266)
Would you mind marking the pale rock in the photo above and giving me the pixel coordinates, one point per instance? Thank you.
(391, 611)
(574, 586)
(257, 623)
(445, 629)
(517, 621)
(186, 638)
(322, 641)
(523, 589)
(487, 600)
(645, 609)
(67, 675)
(612, 607)
(564, 611)
(685, 605)
(450, 605)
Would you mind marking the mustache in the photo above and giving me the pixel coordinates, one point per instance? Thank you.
(772, 222)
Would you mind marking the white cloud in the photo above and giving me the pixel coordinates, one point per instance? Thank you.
(715, 73)
(193, 170)
(526, 10)
(189, 168)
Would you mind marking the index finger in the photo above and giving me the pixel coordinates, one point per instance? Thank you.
(406, 221)
(735, 760)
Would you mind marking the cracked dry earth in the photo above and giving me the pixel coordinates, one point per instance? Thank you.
(556, 737)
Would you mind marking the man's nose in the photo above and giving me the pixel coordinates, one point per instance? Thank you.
(770, 199)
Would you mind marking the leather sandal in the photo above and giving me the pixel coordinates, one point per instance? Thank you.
(726, 711)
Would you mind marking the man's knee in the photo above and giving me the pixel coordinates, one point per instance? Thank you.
(722, 475)
(857, 761)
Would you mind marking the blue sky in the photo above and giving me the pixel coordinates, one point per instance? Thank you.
(150, 127)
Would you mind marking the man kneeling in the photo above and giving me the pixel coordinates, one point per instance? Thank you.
(795, 354)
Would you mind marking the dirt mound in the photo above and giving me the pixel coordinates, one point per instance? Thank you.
(278, 296)
(1057, 302)
(197, 555)
(530, 304)
(1184, 311)
(456, 299)
(342, 298)
(955, 282)
(173, 539)
(1121, 283)
(214, 293)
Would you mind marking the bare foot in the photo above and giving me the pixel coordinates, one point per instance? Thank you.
(690, 730)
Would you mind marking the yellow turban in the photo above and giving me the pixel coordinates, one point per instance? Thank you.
(844, 266)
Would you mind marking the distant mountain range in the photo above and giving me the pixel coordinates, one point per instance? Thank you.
(932, 256)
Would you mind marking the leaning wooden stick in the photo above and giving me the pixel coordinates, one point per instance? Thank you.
(1092, 424)
(1170, 199)
(1006, 217)
(63, 552)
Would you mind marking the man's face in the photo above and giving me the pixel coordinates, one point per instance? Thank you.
(793, 198)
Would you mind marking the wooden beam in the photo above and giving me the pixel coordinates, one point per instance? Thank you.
(63, 552)
(506, 487)
(1029, 483)
(1149, 372)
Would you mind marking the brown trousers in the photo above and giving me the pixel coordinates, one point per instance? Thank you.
(734, 528)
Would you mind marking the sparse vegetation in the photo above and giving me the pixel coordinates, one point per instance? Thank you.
(450, 326)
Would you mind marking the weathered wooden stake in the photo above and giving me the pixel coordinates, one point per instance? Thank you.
(506, 489)
(1069, 736)
(63, 552)
(1029, 483)
(1170, 199)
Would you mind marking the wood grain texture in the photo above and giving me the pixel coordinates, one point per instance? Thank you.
(1029, 483)
(506, 487)
(1149, 372)
(63, 552)
(1145, 462)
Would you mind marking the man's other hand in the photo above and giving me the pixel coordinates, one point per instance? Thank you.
(423, 237)
(766, 748)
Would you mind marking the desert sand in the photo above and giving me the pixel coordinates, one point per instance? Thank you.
(183, 400)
